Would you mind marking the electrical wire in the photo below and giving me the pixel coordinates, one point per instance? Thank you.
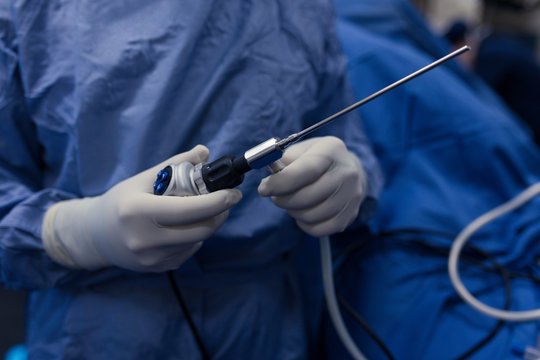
(185, 310)
(371, 333)
(442, 251)
(331, 302)
(500, 323)
(465, 235)
(505, 274)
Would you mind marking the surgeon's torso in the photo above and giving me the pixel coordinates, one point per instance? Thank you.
(115, 87)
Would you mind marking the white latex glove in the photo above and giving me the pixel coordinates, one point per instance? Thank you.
(322, 185)
(131, 228)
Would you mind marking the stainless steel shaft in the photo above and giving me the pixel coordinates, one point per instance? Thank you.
(291, 139)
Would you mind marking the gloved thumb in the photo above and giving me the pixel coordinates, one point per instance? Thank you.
(296, 150)
(196, 155)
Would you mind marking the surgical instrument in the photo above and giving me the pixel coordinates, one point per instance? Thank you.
(186, 179)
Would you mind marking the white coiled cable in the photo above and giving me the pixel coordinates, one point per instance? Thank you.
(462, 239)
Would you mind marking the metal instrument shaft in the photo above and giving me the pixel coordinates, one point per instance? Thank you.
(291, 139)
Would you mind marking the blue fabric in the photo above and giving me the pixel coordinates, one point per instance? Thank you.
(450, 152)
(515, 75)
(16, 353)
(92, 92)
(398, 20)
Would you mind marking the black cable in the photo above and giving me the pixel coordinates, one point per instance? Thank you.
(500, 323)
(505, 274)
(531, 277)
(445, 251)
(365, 326)
(183, 307)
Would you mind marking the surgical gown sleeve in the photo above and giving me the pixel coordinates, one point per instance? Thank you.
(23, 200)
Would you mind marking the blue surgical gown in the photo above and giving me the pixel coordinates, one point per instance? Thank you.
(94, 91)
(450, 151)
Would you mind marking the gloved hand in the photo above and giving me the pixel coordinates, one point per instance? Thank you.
(322, 185)
(131, 228)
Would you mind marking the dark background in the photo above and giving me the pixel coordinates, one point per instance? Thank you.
(12, 319)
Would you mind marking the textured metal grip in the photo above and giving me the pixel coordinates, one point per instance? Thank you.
(184, 179)
(227, 172)
(222, 173)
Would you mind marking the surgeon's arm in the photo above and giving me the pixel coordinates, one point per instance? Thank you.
(126, 227)
(23, 201)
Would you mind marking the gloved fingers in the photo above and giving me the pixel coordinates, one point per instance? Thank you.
(305, 162)
(166, 238)
(297, 150)
(311, 195)
(196, 155)
(327, 209)
(334, 225)
(167, 258)
(298, 174)
(323, 146)
(194, 232)
(170, 211)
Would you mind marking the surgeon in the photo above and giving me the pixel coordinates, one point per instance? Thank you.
(95, 98)
(450, 151)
